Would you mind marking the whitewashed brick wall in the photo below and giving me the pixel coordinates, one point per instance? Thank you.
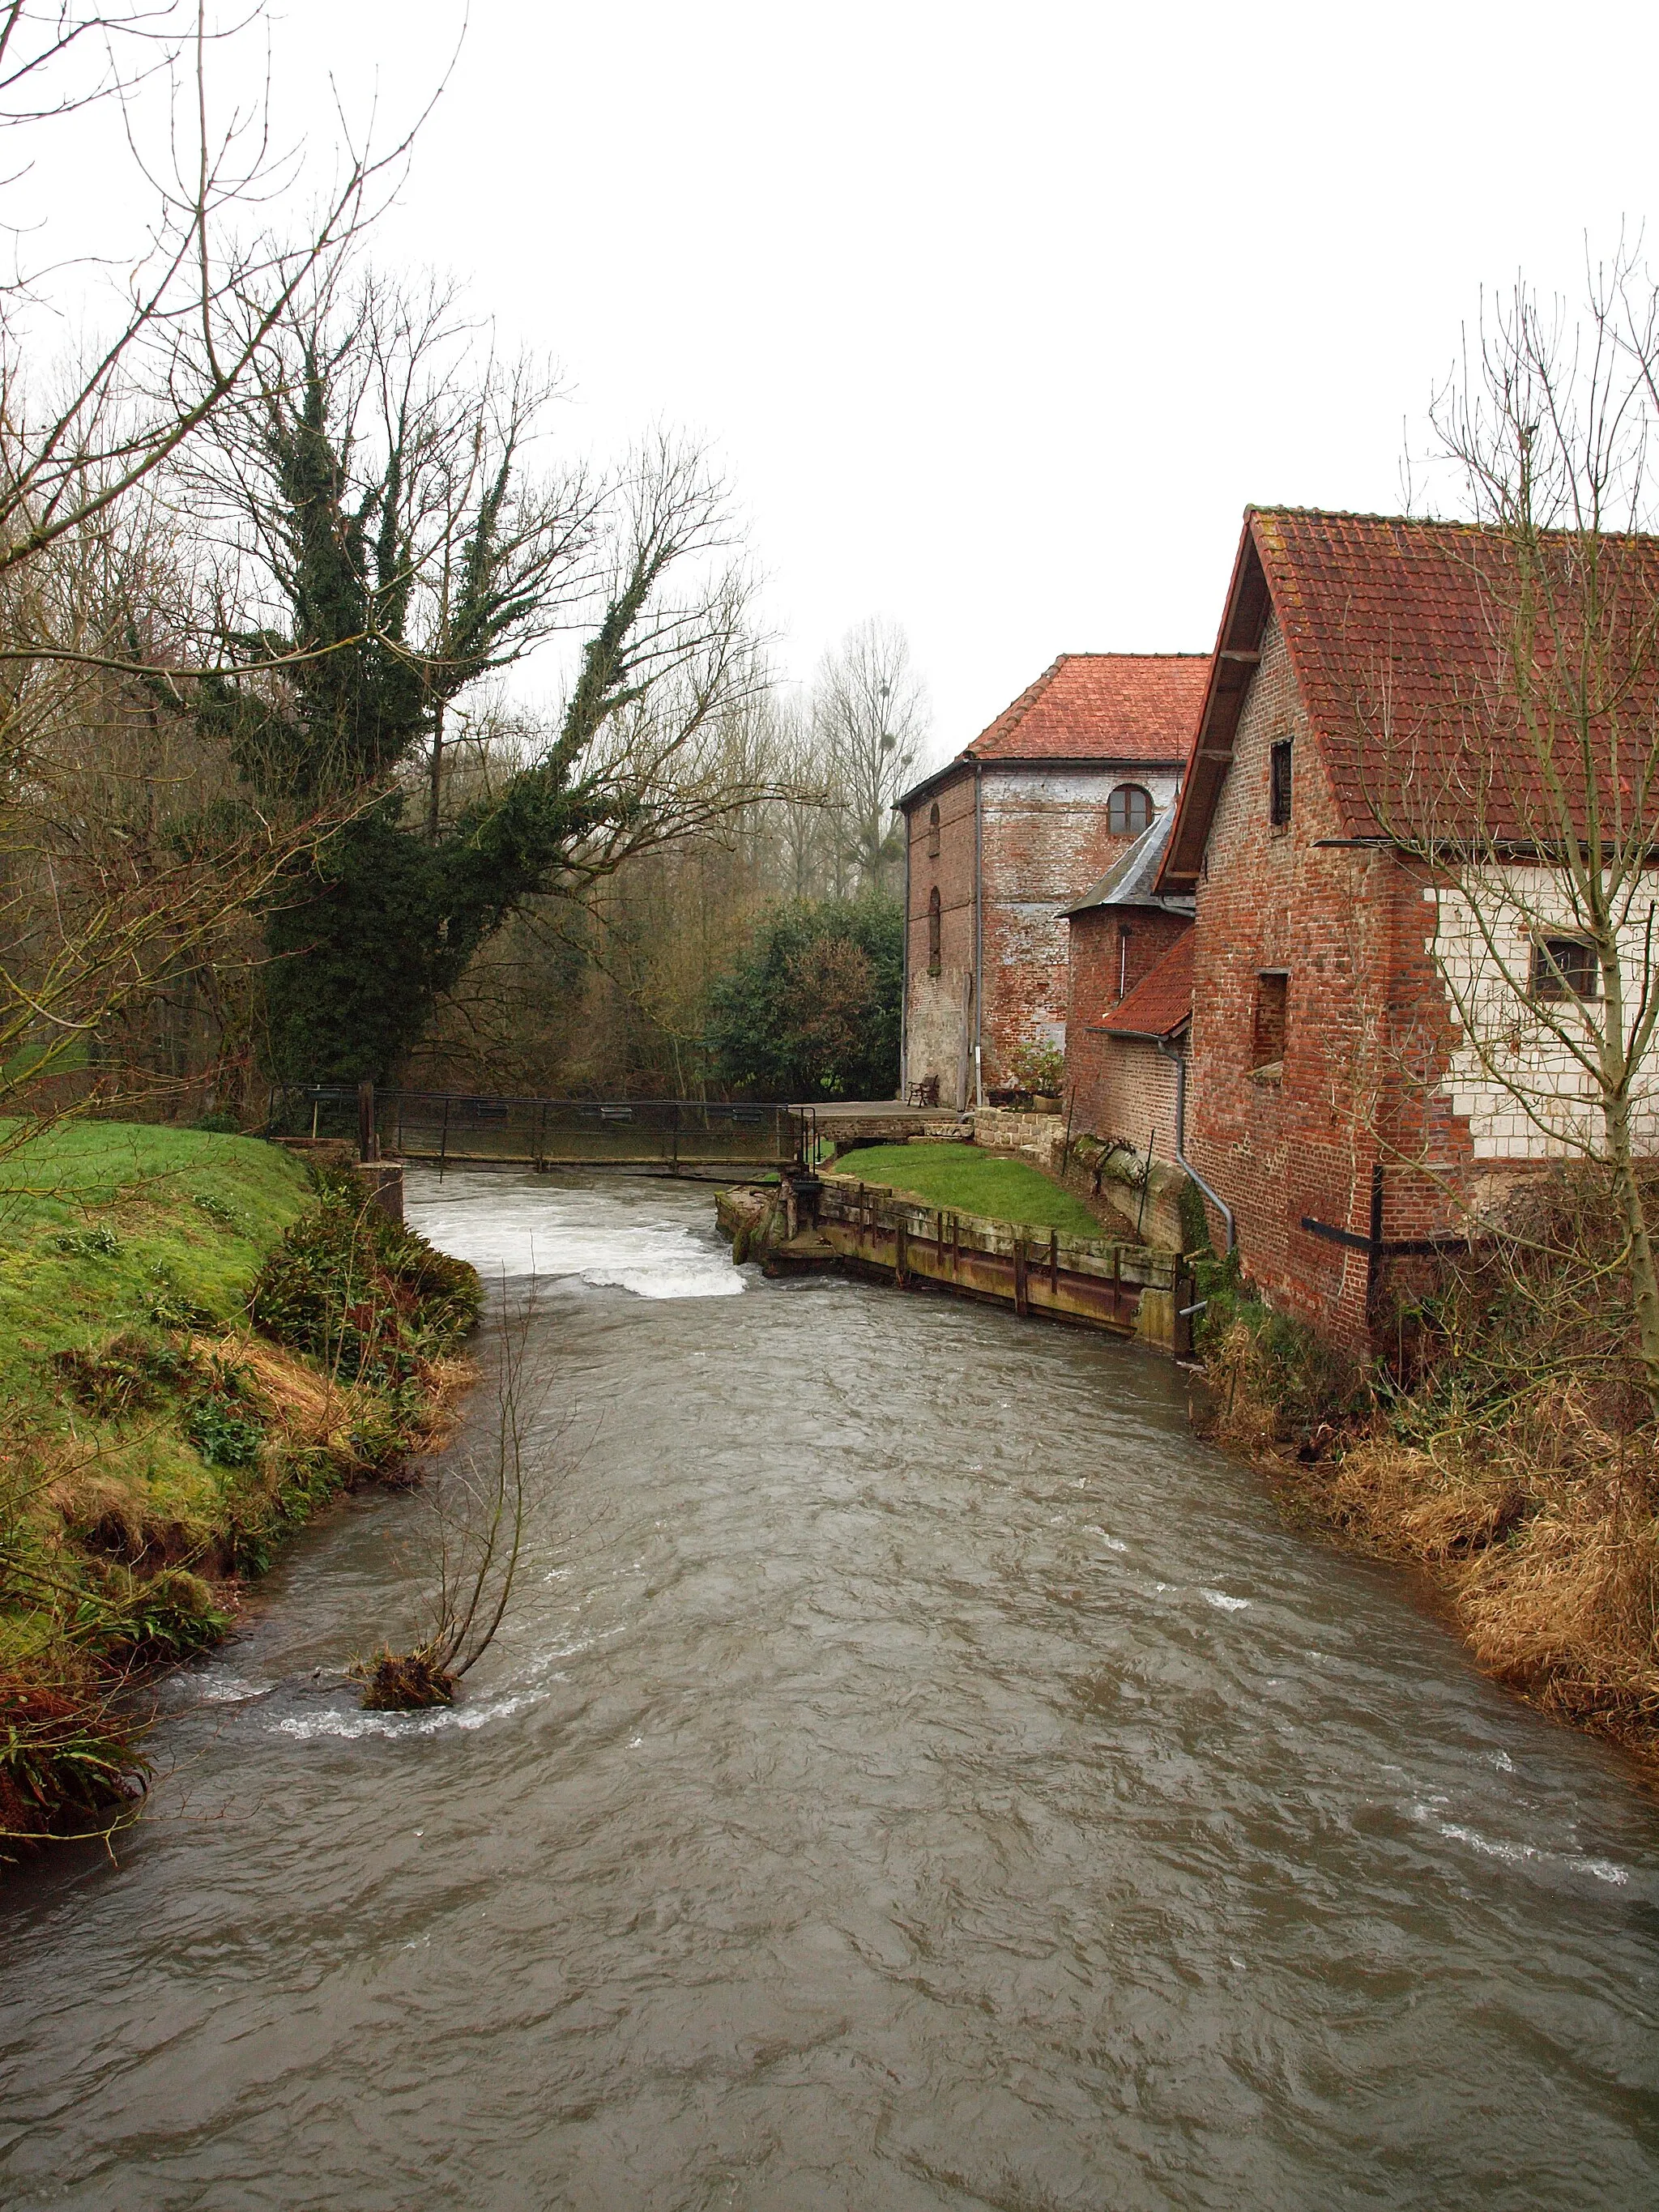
(1514, 1039)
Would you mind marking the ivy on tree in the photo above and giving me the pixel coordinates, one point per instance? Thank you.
(388, 618)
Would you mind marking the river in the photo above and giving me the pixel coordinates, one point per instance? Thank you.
(917, 1773)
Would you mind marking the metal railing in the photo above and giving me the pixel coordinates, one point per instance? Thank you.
(445, 1126)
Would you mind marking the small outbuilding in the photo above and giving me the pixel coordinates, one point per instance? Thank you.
(1130, 1000)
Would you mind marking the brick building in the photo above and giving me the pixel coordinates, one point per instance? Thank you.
(1129, 964)
(1358, 681)
(1009, 834)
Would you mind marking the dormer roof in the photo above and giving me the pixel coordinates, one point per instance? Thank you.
(1132, 879)
(1161, 1003)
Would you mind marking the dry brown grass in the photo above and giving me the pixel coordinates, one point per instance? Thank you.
(1542, 1535)
(1510, 1456)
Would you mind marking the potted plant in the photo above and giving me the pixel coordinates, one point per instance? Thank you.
(1039, 1067)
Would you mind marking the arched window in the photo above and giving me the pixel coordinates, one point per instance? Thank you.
(934, 932)
(933, 832)
(1129, 811)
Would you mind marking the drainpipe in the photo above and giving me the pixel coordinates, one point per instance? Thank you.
(1182, 1160)
(979, 937)
(904, 984)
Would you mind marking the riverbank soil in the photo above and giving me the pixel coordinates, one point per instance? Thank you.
(200, 1342)
(1506, 1447)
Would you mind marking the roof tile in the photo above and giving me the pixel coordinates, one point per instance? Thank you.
(1162, 1001)
(1102, 706)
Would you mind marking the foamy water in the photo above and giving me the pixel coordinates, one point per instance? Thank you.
(561, 1230)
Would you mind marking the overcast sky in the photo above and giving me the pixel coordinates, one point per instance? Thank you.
(1000, 315)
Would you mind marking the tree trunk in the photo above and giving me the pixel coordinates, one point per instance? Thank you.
(1644, 1277)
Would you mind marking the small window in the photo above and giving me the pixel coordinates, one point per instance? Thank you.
(933, 833)
(1278, 784)
(934, 932)
(1129, 811)
(1273, 991)
(1563, 968)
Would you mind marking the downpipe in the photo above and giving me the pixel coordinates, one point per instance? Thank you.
(1182, 1160)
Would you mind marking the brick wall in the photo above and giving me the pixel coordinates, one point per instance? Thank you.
(1279, 1143)
(1118, 1087)
(1045, 840)
(1367, 1040)
(939, 1022)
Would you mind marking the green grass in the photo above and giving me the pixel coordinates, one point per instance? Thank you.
(109, 1228)
(107, 1224)
(152, 1442)
(964, 1180)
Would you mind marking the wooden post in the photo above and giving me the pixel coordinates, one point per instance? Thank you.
(1054, 1263)
(1022, 1303)
(899, 1255)
(368, 1145)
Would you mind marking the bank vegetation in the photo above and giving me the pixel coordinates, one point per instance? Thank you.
(1502, 1445)
(201, 1344)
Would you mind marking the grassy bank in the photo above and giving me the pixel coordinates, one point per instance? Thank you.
(199, 1345)
(965, 1180)
(1505, 1447)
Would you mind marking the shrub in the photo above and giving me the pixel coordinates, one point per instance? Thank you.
(1038, 1065)
(812, 1010)
(367, 1298)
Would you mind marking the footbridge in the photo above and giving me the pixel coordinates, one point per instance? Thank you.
(678, 1135)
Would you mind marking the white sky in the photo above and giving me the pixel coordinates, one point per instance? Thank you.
(998, 315)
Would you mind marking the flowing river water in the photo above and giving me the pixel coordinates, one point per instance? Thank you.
(915, 1774)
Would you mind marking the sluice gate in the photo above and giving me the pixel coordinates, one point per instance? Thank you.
(1126, 1289)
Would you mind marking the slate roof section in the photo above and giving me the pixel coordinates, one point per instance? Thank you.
(1399, 633)
(1161, 1003)
(1131, 879)
(1131, 708)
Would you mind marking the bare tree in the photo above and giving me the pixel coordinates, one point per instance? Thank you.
(869, 718)
(1530, 804)
(478, 1524)
(201, 297)
(117, 858)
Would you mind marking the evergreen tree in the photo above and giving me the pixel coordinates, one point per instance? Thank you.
(812, 1009)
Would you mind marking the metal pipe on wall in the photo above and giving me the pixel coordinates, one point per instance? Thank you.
(904, 975)
(979, 936)
(1182, 1160)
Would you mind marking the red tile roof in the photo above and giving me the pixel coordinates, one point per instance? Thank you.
(1102, 706)
(1399, 634)
(1162, 1001)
